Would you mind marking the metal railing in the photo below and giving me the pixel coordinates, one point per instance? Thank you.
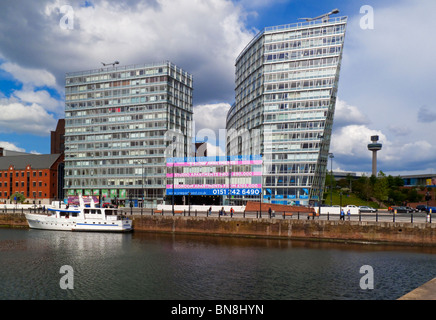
(417, 217)
(361, 217)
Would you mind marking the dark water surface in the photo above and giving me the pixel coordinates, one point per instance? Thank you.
(160, 266)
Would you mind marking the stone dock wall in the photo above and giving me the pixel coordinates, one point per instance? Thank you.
(358, 231)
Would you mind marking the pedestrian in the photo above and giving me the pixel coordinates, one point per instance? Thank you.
(210, 210)
(348, 214)
(342, 215)
(269, 212)
(231, 212)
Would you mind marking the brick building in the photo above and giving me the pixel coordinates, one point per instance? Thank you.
(57, 138)
(38, 177)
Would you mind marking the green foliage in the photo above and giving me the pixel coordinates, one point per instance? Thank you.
(20, 197)
(370, 191)
(347, 198)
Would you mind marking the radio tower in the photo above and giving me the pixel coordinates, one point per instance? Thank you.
(374, 147)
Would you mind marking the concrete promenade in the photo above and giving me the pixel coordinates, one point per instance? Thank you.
(425, 292)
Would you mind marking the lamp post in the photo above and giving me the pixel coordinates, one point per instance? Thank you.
(331, 156)
(174, 150)
(230, 178)
(261, 183)
(143, 191)
(321, 137)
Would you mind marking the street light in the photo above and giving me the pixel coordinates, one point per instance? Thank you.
(331, 156)
(174, 150)
(143, 191)
(325, 16)
(321, 138)
(261, 183)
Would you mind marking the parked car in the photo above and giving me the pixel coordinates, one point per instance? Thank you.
(412, 209)
(367, 209)
(433, 209)
(421, 208)
(400, 210)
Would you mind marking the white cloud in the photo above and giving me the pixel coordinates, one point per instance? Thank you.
(19, 118)
(10, 146)
(202, 37)
(29, 76)
(352, 141)
(346, 114)
(211, 116)
(42, 98)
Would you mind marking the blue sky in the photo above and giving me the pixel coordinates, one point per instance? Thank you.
(386, 83)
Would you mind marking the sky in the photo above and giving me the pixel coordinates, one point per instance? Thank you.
(386, 87)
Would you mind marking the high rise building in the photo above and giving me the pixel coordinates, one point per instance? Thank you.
(286, 86)
(120, 122)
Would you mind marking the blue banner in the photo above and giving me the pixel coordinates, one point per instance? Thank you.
(214, 192)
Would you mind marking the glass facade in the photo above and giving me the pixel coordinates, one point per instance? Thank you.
(286, 85)
(120, 125)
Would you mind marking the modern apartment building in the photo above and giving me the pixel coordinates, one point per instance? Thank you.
(286, 86)
(120, 124)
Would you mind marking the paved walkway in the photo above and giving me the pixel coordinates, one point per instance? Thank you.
(425, 292)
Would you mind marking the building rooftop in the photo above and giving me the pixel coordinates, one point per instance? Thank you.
(36, 161)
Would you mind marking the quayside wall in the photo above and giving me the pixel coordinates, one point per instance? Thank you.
(423, 234)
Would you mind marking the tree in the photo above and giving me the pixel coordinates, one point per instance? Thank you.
(414, 196)
(363, 188)
(381, 187)
(20, 198)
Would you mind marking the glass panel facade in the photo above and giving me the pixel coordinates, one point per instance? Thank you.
(119, 124)
(286, 85)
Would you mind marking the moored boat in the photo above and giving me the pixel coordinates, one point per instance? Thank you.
(81, 218)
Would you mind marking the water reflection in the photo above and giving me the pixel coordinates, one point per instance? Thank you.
(167, 266)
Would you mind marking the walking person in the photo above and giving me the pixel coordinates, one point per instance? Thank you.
(342, 215)
(348, 214)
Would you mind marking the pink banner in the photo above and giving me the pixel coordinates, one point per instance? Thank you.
(213, 163)
(213, 174)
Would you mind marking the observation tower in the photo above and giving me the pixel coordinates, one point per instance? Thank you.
(374, 147)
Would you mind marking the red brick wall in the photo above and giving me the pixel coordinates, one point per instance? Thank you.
(45, 188)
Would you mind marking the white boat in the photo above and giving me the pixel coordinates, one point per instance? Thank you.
(81, 218)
